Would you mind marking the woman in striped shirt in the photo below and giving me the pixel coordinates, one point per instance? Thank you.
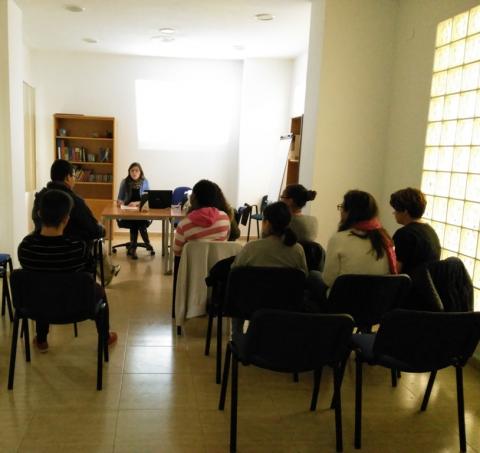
(204, 220)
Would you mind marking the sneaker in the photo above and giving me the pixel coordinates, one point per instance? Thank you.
(112, 338)
(116, 269)
(42, 346)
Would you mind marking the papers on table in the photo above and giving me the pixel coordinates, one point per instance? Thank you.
(129, 208)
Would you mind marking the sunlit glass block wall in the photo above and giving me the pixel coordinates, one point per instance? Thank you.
(451, 168)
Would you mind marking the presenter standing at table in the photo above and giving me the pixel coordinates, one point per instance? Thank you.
(131, 190)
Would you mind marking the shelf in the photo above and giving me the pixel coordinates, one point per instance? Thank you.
(93, 183)
(99, 164)
(69, 137)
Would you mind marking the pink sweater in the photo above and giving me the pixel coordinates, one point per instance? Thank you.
(204, 223)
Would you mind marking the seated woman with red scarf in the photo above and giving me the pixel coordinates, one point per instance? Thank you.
(360, 246)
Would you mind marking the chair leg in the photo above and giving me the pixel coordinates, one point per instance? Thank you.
(358, 403)
(26, 334)
(393, 372)
(428, 391)
(209, 334)
(233, 407)
(295, 377)
(258, 229)
(337, 383)
(461, 409)
(226, 369)
(218, 365)
(317, 376)
(343, 365)
(179, 330)
(248, 230)
(100, 353)
(75, 329)
(13, 354)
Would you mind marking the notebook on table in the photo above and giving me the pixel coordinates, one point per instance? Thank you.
(157, 199)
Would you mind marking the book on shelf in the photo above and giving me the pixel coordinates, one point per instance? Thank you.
(103, 154)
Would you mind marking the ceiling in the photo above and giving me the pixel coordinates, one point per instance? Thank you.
(204, 28)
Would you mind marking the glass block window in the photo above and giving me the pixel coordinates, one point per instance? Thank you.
(451, 167)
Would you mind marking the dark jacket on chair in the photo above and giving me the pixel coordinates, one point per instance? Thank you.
(441, 286)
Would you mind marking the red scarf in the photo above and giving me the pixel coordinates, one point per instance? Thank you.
(374, 224)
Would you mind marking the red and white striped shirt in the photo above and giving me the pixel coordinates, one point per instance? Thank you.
(204, 223)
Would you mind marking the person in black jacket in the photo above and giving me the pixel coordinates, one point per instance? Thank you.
(82, 224)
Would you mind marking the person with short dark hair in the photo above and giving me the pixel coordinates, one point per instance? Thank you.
(49, 250)
(295, 196)
(278, 246)
(416, 242)
(82, 224)
(204, 219)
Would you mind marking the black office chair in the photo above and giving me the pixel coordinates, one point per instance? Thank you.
(257, 215)
(367, 298)
(289, 342)
(448, 284)
(5, 265)
(249, 289)
(314, 254)
(56, 298)
(133, 240)
(418, 342)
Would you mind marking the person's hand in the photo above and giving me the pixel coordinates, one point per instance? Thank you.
(134, 203)
(119, 203)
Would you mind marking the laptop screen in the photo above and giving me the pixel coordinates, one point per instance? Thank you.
(159, 199)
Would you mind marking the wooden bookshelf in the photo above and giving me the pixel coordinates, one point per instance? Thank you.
(293, 164)
(88, 142)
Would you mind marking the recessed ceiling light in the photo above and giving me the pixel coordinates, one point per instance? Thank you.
(75, 8)
(91, 40)
(163, 38)
(264, 16)
(167, 30)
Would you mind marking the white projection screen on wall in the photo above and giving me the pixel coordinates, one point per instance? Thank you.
(193, 115)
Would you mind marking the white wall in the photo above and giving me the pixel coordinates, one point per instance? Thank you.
(265, 116)
(12, 174)
(412, 74)
(104, 85)
(348, 137)
(299, 85)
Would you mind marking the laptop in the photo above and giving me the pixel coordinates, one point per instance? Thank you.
(157, 199)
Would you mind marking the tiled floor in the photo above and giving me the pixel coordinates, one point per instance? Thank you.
(159, 393)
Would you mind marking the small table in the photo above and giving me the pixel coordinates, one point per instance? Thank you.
(166, 215)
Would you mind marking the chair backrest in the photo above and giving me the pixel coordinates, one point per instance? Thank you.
(263, 203)
(428, 340)
(368, 297)
(198, 257)
(178, 194)
(251, 288)
(453, 284)
(315, 255)
(59, 298)
(291, 342)
(244, 212)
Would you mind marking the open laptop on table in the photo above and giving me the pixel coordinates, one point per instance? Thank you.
(157, 199)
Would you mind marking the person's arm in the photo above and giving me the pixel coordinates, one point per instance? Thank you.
(332, 262)
(402, 244)
(35, 216)
(179, 240)
(83, 221)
